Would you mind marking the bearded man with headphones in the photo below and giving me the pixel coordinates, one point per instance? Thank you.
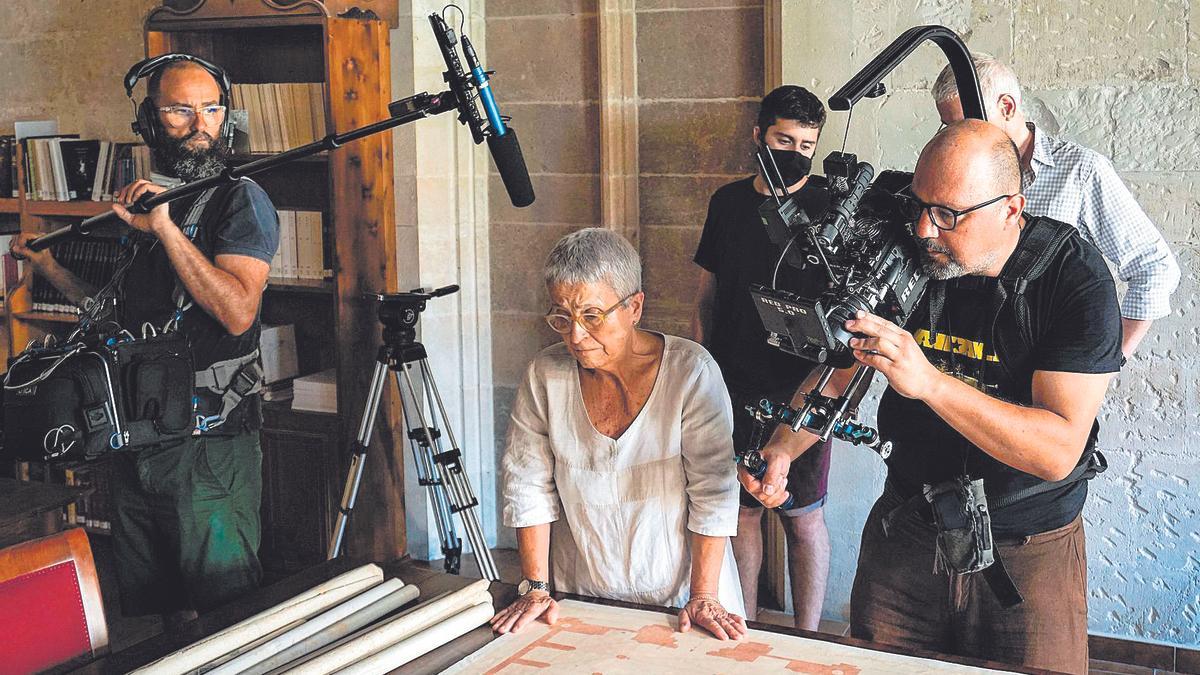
(186, 530)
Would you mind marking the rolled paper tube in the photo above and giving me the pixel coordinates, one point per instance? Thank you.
(290, 611)
(390, 658)
(395, 630)
(346, 617)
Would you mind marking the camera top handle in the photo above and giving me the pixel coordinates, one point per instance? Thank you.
(867, 80)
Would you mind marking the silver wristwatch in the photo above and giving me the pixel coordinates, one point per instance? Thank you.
(527, 585)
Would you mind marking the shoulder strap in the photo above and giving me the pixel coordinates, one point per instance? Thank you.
(200, 218)
(1094, 463)
(1038, 247)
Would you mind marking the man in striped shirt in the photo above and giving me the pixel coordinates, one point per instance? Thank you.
(1076, 185)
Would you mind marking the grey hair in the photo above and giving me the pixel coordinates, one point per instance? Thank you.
(594, 255)
(995, 80)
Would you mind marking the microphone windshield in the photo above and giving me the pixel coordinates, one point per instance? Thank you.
(506, 153)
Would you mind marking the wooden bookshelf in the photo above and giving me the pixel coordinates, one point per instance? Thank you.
(46, 317)
(342, 44)
(73, 209)
(297, 285)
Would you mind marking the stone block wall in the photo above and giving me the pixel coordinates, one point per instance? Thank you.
(545, 55)
(700, 78)
(64, 60)
(1122, 77)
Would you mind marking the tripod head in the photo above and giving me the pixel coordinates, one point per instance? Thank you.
(399, 312)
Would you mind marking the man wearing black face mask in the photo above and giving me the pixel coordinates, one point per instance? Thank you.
(735, 252)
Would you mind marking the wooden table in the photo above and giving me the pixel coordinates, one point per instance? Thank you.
(431, 582)
(32, 510)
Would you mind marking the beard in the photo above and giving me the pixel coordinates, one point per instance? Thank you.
(173, 156)
(951, 267)
(940, 270)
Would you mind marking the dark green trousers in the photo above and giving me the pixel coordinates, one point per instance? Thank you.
(187, 530)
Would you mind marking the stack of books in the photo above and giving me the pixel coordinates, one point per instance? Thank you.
(277, 344)
(302, 253)
(11, 268)
(316, 392)
(64, 168)
(8, 167)
(92, 260)
(282, 115)
(93, 511)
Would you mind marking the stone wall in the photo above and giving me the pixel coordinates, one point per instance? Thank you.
(700, 78)
(545, 56)
(1121, 77)
(696, 102)
(64, 60)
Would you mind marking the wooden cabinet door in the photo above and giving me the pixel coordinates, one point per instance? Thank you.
(298, 463)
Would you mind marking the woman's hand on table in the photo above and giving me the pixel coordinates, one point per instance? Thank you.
(705, 611)
(524, 610)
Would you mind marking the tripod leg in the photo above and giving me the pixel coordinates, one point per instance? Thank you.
(458, 487)
(358, 459)
(423, 438)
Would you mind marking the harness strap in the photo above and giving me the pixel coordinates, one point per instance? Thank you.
(190, 226)
(233, 379)
(1096, 464)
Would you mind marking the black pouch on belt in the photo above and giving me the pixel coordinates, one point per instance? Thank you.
(964, 538)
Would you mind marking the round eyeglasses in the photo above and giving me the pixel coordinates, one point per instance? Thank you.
(591, 320)
(179, 116)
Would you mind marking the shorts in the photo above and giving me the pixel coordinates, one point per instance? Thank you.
(808, 477)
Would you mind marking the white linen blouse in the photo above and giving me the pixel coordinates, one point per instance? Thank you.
(621, 508)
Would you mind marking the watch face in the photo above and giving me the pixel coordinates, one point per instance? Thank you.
(523, 587)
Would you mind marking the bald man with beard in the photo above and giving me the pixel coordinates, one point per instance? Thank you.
(970, 397)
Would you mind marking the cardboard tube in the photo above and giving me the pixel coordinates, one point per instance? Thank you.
(400, 628)
(347, 617)
(297, 608)
(390, 658)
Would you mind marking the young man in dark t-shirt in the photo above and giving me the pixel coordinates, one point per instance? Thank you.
(977, 392)
(735, 252)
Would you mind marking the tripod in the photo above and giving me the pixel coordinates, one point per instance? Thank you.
(439, 471)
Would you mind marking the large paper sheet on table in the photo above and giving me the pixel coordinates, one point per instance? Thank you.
(591, 638)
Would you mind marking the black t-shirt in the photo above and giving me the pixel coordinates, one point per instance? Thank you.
(1076, 328)
(247, 225)
(736, 249)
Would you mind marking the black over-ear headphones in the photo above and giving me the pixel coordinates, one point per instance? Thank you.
(146, 123)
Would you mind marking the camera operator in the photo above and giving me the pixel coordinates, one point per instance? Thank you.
(956, 406)
(735, 252)
(1078, 186)
(186, 529)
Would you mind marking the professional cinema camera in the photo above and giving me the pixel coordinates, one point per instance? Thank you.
(865, 246)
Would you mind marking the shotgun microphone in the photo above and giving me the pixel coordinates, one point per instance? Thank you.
(501, 138)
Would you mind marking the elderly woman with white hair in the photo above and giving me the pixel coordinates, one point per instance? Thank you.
(618, 471)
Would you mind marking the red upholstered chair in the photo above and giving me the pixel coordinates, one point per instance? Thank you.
(51, 612)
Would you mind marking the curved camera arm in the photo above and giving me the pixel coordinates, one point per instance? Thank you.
(868, 79)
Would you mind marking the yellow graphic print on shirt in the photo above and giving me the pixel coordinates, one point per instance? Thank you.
(971, 349)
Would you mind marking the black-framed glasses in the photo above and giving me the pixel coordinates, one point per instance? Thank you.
(943, 217)
(591, 320)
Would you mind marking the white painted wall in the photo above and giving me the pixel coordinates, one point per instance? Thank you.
(1122, 77)
(442, 235)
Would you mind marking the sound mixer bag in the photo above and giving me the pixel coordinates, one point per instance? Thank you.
(80, 401)
(61, 404)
